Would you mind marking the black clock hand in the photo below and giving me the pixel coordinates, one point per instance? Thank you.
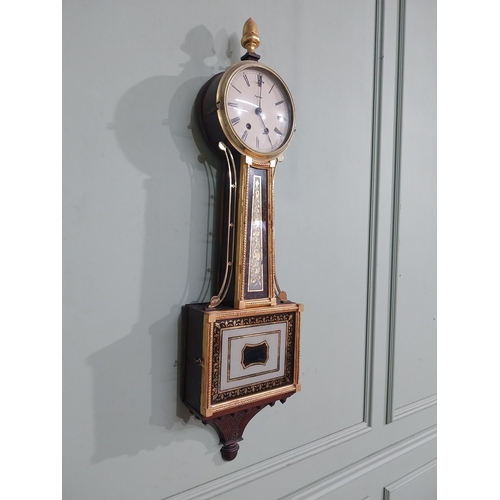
(258, 112)
(259, 83)
(266, 130)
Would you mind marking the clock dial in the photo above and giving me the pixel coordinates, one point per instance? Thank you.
(259, 109)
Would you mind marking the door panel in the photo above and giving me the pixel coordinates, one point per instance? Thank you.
(414, 250)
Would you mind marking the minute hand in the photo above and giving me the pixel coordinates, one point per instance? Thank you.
(258, 111)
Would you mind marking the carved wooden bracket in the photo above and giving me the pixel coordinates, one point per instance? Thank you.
(230, 427)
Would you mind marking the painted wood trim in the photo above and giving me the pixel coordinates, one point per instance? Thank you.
(330, 483)
(217, 487)
(393, 414)
(316, 489)
(396, 485)
(396, 191)
(378, 57)
(410, 409)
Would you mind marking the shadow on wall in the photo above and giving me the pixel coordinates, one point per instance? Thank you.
(136, 399)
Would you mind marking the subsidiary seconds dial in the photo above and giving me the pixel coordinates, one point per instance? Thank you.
(259, 109)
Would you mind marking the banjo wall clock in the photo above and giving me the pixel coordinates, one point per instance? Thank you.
(241, 350)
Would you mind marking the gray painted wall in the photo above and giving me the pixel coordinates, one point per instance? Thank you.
(355, 236)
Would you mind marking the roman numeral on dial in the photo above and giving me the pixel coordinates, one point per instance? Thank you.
(279, 132)
(245, 134)
(246, 79)
(235, 120)
(278, 103)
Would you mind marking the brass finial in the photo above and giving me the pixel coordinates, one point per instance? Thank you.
(250, 39)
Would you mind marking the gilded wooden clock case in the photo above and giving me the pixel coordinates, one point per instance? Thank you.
(242, 349)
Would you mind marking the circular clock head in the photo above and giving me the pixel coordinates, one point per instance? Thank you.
(257, 111)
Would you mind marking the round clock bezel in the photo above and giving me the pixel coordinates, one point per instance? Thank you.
(234, 139)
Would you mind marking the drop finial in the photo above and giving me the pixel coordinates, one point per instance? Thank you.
(250, 39)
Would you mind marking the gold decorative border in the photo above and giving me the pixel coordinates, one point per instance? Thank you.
(255, 363)
(217, 314)
(296, 358)
(211, 354)
(271, 272)
(252, 364)
(258, 373)
(241, 242)
(235, 403)
(230, 339)
(225, 123)
(255, 281)
(242, 237)
(219, 396)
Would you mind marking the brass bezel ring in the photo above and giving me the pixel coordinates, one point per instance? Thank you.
(224, 121)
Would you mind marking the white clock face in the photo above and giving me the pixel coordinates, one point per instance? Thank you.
(259, 109)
